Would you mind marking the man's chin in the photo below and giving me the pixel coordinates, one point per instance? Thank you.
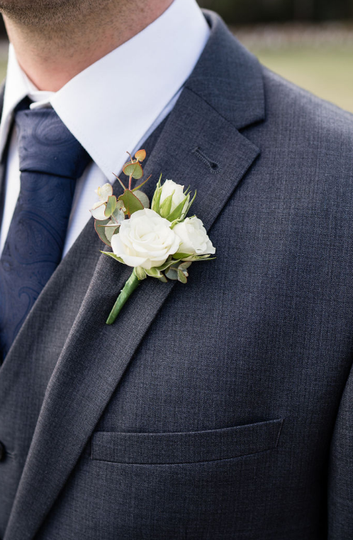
(39, 12)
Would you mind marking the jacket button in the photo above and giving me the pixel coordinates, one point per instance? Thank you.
(2, 451)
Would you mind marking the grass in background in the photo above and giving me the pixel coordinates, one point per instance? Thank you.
(327, 73)
(2, 70)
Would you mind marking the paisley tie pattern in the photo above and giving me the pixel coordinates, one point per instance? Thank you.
(51, 160)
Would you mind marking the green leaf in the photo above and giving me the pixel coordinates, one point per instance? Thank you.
(155, 201)
(131, 202)
(179, 256)
(100, 230)
(133, 169)
(202, 258)
(111, 205)
(157, 196)
(163, 279)
(153, 272)
(118, 215)
(182, 277)
(183, 266)
(166, 206)
(110, 231)
(172, 273)
(194, 258)
(166, 264)
(142, 197)
(113, 256)
(178, 211)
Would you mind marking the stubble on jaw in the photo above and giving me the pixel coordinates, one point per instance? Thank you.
(54, 40)
(48, 13)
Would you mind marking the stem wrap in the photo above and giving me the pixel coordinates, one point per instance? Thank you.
(132, 283)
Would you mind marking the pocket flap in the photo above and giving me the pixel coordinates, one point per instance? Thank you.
(188, 447)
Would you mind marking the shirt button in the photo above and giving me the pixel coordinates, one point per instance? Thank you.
(2, 451)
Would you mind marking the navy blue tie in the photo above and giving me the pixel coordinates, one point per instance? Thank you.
(51, 160)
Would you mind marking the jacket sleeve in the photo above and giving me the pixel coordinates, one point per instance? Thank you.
(340, 479)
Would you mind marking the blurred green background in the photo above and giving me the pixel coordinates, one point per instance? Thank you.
(317, 58)
(328, 74)
(309, 42)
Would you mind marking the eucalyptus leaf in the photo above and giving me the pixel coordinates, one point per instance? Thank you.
(111, 206)
(110, 231)
(140, 155)
(142, 197)
(133, 169)
(131, 202)
(118, 216)
(172, 274)
(183, 266)
(182, 277)
(105, 191)
(119, 206)
(100, 230)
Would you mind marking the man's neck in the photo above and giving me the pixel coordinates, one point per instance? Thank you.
(52, 54)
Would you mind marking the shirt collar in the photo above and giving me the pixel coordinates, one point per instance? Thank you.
(110, 105)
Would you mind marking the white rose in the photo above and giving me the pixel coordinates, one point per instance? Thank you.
(171, 188)
(193, 237)
(145, 240)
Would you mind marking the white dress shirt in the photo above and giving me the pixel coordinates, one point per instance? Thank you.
(104, 109)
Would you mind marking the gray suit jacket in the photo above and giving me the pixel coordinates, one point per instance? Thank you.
(217, 410)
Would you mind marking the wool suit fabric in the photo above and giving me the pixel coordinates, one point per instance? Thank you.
(220, 409)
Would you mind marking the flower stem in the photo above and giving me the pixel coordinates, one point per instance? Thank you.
(132, 283)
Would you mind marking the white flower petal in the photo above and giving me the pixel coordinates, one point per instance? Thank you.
(145, 240)
(193, 237)
(120, 250)
(171, 188)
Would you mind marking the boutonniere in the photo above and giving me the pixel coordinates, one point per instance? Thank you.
(158, 241)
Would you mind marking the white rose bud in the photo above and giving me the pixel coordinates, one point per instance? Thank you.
(193, 237)
(171, 188)
(145, 240)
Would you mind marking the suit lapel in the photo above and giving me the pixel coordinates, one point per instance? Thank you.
(2, 163)
(200, 147)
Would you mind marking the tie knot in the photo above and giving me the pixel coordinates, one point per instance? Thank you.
(47, 146)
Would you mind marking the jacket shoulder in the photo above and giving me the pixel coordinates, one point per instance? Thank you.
(299, 109)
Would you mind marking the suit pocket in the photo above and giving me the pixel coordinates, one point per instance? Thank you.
(185, 447)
